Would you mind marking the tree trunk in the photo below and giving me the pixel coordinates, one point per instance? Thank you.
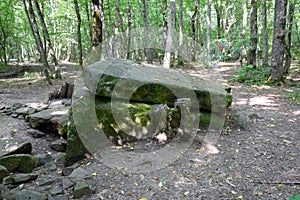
(208, 26)
(193, 24)
(219, 19)
(78, 33)
(97, 24)
(265, 34)
(146, 26)
(253, 34)
(288, 56)
(165, 23)
(116, 31)
(167, 56)
(278, 47)
(245, 15)
(32, 21)
(180, 60)
(107, 49)
(56, 69)
(129, 29)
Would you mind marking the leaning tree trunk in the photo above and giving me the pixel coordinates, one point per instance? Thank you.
(265, 34)
(78, 33)
(253, 34)
(278, 47)
(288, 56)
(147, 30)
(32, 21)
(47, 40)
(167, 56)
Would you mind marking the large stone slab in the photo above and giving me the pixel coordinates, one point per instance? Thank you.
(115, 78)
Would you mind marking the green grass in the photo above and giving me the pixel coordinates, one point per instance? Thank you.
(294, 97)
(250, 75)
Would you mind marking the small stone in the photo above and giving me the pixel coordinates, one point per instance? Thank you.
(2, 106)
(61, 197)
(3, 172)
(24, 148)
(43, 159)
(15, 115)
(51, 166)
(59, 146)
(16, 106)
(61, 158)
(81, 189)
(68, 170)
(26, 111)
(49, 182)
(20, 162)
(19, 178)
(56, 191)
(36, 133)
(79, 174)
(67, 183)
(26, 195)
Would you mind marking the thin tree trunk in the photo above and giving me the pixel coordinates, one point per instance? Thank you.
(232, 20)
(219, 20)
(97, 24)
(129, 29)
(265, 34)
(33, 24)
(253, 34)
(165, 23)
(116, 31)
(278, 47)
(208, 26)
(147, 30)
(167, 56)
(107, 49)
(193, 24)
(245, 16)
(56, 69)
(180, 59)
(288, 56)
(78, 33)
(54, 27)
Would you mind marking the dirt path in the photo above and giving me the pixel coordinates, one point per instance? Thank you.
(261, 162)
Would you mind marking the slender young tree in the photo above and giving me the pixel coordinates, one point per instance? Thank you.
(107, 48)
(278, 47)
(208, 25)
(253, 34)
(245, 15)
(180, 60)
(35, 31)
(167, 56)
(129, 29)
(78, 33)
(97, 24)
(265, 33)
(193, 24)
(147, 31)
(288, 56)
(116, 31)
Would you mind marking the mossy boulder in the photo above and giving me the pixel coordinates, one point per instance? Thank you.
(20, 162)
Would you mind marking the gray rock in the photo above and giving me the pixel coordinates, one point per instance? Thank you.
(3, 172)
(43, 159)
(50, 166)
(60, 146)
(20, 162)
(15, 115)
(26, 111)
(16, 106)
(26, 195)
(61, 197)
(19, 178)
(61, 158)
(79, 174)
(244, 118)
(36, 133)
(67, 183)
(2, 106)
(23, 148)
(68, 170)
(56, 190)
(49, 182)
(82, 189)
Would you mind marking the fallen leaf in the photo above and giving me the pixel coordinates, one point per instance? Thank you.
(160, 184)
(268, 140)
(135, 183)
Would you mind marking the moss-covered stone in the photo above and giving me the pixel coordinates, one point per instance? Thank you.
(21, 162)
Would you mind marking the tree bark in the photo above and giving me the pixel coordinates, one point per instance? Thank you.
(245, 15)
(97, 24)
(265, 34)
(116, 31)
(288, 56)
(278, 47)
(180, 60)
(78, 33)
(107, 48)
(165, 23)
(129, 29)
(193, 24)
(219, 19)
(167, 56)
(253, 34)
(33, 24)
(208, 25)
(147, 30)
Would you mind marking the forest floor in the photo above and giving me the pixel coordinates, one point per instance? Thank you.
(260, 162)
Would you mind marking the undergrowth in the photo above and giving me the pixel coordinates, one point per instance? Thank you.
(251, 75)
(295, 97)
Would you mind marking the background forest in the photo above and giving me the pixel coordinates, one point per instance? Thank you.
(228, 30)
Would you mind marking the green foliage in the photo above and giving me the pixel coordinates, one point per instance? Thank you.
(295, 97)
(3, 67)
(250, 75)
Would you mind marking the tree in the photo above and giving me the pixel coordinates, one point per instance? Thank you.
(35, 31)
(147, 30)
(208, 22)
(253, 34)
(278, 47)
(193, 25)
(78, 32)
(180, 60)
(97, 24)
(265, 34)
(167, 56)
(288, 56)
(116, 31)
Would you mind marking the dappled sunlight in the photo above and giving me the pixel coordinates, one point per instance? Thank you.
(262, 100)
(296, 112)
